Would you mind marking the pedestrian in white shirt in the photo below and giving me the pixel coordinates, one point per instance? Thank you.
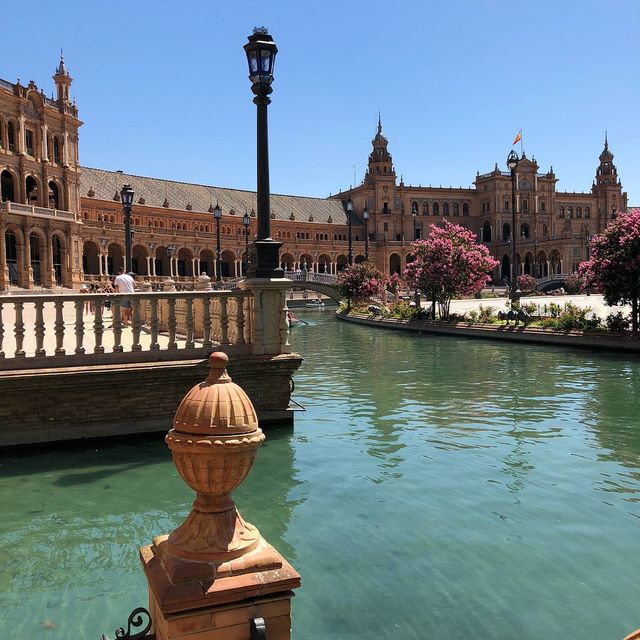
(124, 283)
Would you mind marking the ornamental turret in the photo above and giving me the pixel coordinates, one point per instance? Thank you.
(63, 81)
(380, 161)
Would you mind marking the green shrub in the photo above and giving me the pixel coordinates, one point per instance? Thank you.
(617, 322)
(531, 308)
(487, 314)
(472, 317)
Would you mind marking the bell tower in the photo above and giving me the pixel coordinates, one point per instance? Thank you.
(608, 188)
(63, 81)
(380, 161)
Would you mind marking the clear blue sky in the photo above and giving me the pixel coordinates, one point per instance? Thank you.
(162, 86)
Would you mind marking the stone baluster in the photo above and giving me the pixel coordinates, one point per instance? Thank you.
(207, 343)
(240, 319)
(171, 303)
(1, 332)
(59, 327)
(189, 344)
(98, 327)
(18, 330)
(135, 324)
(79, 304)
(117, 326)
(39, 329)
(224, 321)
(154, 325)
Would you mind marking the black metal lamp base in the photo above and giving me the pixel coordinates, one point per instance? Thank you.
(265, 262)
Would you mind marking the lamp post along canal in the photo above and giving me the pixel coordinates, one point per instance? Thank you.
(246, 222)
(512, 164)
(365, 217)
(217, 214)
(126, 195)
(349, 209)
(261, 53)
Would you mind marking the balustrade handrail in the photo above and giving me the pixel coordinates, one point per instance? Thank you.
(165, 325)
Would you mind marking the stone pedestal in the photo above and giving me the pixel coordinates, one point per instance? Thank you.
(212, 576)
(201, 601)
(269, 329)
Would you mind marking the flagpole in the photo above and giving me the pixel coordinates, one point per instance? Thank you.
(521, 147)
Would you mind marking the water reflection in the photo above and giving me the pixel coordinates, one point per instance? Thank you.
(434, 488)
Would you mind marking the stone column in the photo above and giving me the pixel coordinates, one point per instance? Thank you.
(215, 574)
(4, 268)
(100, 264)
(268, 315)
(45, 143)
(149, 266)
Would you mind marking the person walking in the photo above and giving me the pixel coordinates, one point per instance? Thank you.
(124, 283)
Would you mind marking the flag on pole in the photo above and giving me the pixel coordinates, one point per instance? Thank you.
(518, 137)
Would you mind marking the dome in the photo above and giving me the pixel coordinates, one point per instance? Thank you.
(217, 406)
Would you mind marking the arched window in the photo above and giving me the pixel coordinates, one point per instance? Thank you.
(456, 209)
(445, 209)
(486, 231)
(506, 205)
(578, 212)
(435, 209)
(56, 150)
(569, 212)
(425, 208)
(545, 230)
(525, 206)
(587, 212)
(414, 207)
(11, 136)
(562, 212)
(524, 230)
(506, 231)
(465, 209)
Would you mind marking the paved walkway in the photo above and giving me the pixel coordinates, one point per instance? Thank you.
(594, 301)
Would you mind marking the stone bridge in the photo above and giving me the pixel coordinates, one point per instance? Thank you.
(324, 283)
(552, 281)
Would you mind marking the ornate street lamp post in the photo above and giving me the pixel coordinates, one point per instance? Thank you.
(261, 55)
(349, 209)
(365, 217)
(512, 164)
(217, 214)
(126, 195)
(246, 222)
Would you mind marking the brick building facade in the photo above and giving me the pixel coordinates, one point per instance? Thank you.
(62, 223)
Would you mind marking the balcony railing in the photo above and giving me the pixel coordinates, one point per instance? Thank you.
(37, 212)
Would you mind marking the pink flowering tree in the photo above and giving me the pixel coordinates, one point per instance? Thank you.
(447, 264)
(360, 282)
(614, 266)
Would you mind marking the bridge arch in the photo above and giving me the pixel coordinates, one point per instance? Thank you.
(394, 263)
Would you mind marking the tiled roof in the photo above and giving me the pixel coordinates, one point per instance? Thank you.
(104, 184)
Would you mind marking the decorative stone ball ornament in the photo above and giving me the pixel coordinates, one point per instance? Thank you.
(214, 440)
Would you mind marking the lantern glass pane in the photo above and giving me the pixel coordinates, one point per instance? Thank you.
(253, 61)
(265, 61)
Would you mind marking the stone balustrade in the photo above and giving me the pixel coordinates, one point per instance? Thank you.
(42, 331)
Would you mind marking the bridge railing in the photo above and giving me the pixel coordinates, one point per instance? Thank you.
(554, 277)
(39, 331)
(309, 276)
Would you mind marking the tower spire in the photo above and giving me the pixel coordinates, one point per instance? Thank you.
(606, 140)
(379, 123)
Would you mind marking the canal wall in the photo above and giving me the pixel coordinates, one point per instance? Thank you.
(623, 341)
(73, 403)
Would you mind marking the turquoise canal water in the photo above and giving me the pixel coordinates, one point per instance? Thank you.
(435, 488)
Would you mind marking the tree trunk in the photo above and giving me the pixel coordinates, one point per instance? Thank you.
(433, 308)
(634, 313)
